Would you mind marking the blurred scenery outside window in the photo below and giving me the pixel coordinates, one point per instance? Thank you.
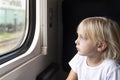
(12, 24)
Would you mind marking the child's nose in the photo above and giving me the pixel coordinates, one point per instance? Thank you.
(76, 41)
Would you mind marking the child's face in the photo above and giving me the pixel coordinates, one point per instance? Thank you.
(85, 46)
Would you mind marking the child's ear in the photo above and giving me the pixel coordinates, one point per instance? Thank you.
(102, 46)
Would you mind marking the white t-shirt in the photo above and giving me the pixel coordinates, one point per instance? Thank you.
(107, 70)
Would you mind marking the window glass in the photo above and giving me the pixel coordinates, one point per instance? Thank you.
(12, 24)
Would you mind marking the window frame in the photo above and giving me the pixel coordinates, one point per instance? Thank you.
(29, 37)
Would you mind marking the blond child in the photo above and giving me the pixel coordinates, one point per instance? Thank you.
(98, 46)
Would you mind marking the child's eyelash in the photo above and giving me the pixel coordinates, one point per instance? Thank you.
(82, 37)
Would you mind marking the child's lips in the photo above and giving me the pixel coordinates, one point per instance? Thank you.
(77, 49)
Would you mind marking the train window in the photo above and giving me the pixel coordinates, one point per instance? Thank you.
(12, 24)
(16, 28)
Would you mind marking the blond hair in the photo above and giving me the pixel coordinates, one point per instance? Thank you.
(102, 29)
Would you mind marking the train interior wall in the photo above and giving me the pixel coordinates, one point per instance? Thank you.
(33, 66)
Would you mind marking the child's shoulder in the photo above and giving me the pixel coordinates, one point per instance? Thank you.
(111, 65)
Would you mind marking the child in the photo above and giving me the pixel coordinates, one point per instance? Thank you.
(98, 46)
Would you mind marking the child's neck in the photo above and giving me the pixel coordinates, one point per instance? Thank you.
(94, 61)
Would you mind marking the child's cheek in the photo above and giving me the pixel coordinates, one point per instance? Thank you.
(82, 46)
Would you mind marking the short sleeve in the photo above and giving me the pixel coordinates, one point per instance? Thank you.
(115, 75)
(75, 61)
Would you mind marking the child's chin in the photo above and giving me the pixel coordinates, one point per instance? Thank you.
(82, 54)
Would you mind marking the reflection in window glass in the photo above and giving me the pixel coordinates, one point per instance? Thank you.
(12, 24)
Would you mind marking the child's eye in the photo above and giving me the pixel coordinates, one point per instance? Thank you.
(81, 37)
